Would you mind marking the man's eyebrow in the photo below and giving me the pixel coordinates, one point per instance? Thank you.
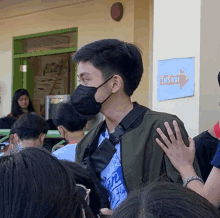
(84, 74)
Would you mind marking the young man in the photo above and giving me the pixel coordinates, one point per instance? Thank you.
(30, 130)
(71, 127)
(109, 71)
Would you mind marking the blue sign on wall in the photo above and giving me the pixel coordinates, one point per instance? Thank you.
(175, 78)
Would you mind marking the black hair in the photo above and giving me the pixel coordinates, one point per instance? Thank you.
(35, 184)
(165, 200)
(7, 122)
(219, 78)
(112, 56)
(69, 118)
(30, 126)
(15, 108)
(51, 124)
(81, 176)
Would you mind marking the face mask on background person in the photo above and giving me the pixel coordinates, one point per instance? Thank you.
(83, 99)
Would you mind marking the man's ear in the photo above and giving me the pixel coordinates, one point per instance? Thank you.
(16, 138)
(61, 130)
(11, 139)
(42, 137)
(117, 83)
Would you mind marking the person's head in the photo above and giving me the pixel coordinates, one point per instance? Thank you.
(68, 121)
(112, 59)
(35, 184)
(7, 123)
(82, 177)
(165, 200)
(21, 101)
(30, 130)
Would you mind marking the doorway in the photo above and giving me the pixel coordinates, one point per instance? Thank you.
(42, 65)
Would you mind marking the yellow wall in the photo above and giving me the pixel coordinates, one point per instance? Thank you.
(93, 21)
(143, 36)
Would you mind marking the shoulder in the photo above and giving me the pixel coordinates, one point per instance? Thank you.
(156, 118)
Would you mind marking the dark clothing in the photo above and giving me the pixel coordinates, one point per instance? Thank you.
(206, 147)
(142, 159)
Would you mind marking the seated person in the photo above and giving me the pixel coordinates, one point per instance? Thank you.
(6, 123)
(165, 200)
(21, 103)
(44, 187)
(71, 127)
(31, 129)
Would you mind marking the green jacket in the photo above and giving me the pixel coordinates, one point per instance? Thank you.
(142, 159)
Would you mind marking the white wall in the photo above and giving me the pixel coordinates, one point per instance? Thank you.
(210, 64)
(177, 35)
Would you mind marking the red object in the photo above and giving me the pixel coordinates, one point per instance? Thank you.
(117, 11)
(217, 130)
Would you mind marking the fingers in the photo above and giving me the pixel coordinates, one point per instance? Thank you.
(191, 144)
(165, 139)
(177, 130)
(170, 132)
(164, 148)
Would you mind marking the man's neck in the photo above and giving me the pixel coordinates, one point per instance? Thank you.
(115, 111)
(30, 143)
(74, 137)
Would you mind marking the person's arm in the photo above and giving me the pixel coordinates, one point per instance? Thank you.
(182, 158)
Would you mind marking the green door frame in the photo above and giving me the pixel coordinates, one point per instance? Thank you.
(22, 79)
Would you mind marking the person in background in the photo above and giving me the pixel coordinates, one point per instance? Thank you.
(206, 144)
(43, 188)
(6, 123)
(71, 127)
(82, 177)
(21, 103)
(165, 200)
(182, 158)
(30, 130)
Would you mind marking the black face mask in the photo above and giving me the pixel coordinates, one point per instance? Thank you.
(83, 100)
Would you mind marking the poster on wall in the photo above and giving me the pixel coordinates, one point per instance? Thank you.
(175, 78)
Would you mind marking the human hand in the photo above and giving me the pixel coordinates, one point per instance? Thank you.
(179, 155)
(106, 211)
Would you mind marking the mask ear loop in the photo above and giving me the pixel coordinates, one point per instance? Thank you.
(105, 81)
(87, 199)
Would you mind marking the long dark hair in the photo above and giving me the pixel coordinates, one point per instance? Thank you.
(35, 184)
(82, 177)
(165, 200)
(15, 108)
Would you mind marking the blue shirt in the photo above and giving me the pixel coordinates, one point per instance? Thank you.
(67, 152)
(112, 177)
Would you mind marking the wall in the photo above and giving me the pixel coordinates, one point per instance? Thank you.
(177, 35)
(143, 36)
(210, 64)
(92, 19)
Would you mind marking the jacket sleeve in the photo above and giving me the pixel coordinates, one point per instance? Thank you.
(170, 172)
